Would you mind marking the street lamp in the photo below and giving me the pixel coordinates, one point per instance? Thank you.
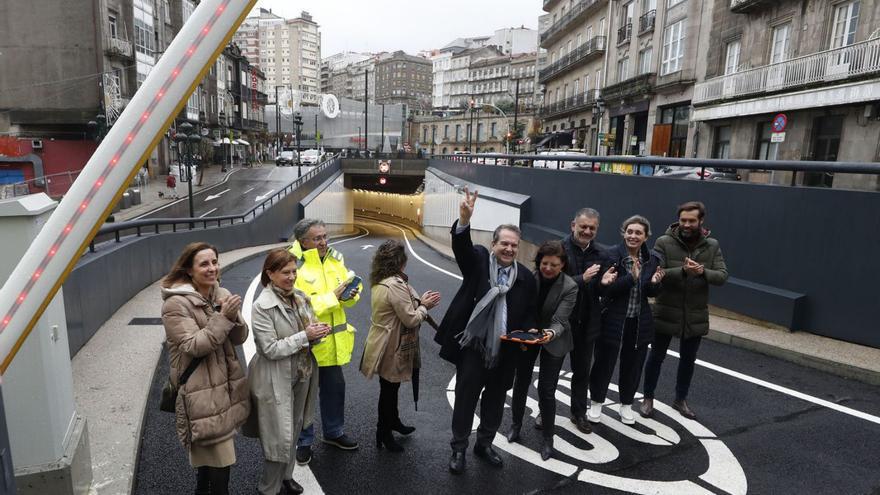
(297, 125)
(599, 108)
(188, 138)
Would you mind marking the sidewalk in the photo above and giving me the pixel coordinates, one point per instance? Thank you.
(814, 351)
(150, 199)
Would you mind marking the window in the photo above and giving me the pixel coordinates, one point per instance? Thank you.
(766, 150)
(648, 5)
(599, 81)
(111, 25)
(623, 69)
(586, 84)
(578, 43)
(673, 48)
(457, 131)
(678, 117)
(779, 51)
(846, 18)
(645, 60)
(626, 14)
(492, 129)
(731, 63)
(721, 146)
(576, 87)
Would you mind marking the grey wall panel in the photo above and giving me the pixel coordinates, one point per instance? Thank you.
(813, 241)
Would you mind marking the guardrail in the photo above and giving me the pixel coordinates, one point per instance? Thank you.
(826, 67)
(155, 225)
(703, 163)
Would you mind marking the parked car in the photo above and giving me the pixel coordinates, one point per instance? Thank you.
(310, 157)
(696, 173)
(481, 158)
(547, 162)
(286, 158)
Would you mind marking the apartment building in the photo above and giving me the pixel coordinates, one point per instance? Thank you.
(404, 79)
(575, 36)
(290, 54)
(346, 78)
(792, 80)
(489, 80)
(480, 131)
(524, 81)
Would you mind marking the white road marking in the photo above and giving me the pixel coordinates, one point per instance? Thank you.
(207, 213)
(786, 390)
(215, 196)
(249, 190)
(416, 255)
(303, 475)
(264, 196)
(184, 198)
(366, 246)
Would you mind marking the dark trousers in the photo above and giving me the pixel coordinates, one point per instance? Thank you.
(548, 379)
(472, 377)
(388, 414)
(580, 358)
(212, 480)
(688, 355)
(331, 397)
(632, 358)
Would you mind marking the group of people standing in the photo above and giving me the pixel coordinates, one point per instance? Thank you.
(583, 299)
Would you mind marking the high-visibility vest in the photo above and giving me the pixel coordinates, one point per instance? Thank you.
(318, 279)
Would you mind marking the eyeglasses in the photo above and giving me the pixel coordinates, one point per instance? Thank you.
(318, 238)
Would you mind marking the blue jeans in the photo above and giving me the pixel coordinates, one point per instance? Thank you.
(331, 396)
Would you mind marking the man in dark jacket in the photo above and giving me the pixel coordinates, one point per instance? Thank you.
(497, 295)
(692, 261)
(585, 257)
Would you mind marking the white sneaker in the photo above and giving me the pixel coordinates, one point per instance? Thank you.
(594, 412)
(627, 416)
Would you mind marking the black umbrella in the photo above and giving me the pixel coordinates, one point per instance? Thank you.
(415, 371)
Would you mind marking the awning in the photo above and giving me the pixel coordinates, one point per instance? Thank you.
(242, 141)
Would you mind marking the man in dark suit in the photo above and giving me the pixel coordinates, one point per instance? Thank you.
(497, 295)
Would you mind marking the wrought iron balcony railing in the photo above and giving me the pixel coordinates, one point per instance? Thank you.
(647, 21)
(582, 53)
(823, 68)
(569, 105)
(566, 21)
(624, 33)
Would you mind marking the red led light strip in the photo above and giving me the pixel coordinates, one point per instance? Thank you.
(110, 166)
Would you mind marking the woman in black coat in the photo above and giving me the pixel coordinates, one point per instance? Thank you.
(627, 323)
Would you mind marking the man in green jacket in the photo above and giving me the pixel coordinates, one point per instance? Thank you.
(692, 261)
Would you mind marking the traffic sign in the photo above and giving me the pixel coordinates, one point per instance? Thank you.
(780, 122)
(777, 137)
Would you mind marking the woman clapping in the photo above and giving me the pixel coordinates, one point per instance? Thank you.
(392, 347)
(282, 374)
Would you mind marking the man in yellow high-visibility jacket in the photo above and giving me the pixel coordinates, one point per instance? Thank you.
(322, 275)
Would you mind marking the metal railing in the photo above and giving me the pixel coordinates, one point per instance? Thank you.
(54, 185)
(565, 21)
(742, 6)
(638, 162)
(159, 225)
(634, 86)
(118, 46)
(594, 46)
(624, 33)
(647, 21)
(826, 67)
(571, 104)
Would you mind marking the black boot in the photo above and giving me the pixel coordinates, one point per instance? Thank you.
(513, 434)
(547, 448)
(290, 487)
(386, 438)
(402, 428)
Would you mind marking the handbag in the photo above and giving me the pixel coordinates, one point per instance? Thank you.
(169, 391)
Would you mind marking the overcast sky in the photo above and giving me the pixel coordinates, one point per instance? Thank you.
(413, 25)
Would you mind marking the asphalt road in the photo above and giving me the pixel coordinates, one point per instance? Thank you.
(238, 194)
(765, 426)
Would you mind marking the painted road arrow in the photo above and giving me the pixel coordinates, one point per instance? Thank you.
(263, 196)
(215, 196)
(366, 246)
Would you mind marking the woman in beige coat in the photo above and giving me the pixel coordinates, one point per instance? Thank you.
(392, 347)
(282, 374)
(202, 321)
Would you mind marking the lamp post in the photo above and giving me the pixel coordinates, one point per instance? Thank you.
(599, 108)
(297, 125)
(433, 131)
(188, 137)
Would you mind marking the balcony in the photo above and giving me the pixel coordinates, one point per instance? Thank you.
(548, 5)
(116, 47)
(818, 69)
(643, 84)
(647, 21)
(560, 27)
(624, 33)
(586, 51)
(746, 6)
(570, 105)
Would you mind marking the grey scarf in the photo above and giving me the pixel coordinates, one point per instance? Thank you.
(486, 324)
